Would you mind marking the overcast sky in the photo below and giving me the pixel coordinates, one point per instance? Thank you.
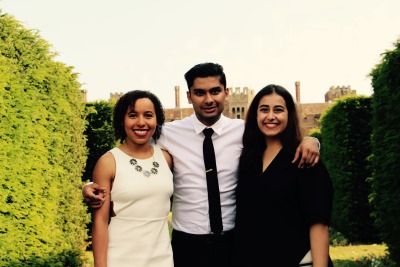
(122, 45)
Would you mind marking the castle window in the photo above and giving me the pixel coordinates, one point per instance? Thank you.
(238, 116)
(237, 109)
(242, 109)
(233, 110)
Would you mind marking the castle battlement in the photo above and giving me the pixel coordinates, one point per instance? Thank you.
(237, 104)
(238, 91)
(114, 97)
(335, 92)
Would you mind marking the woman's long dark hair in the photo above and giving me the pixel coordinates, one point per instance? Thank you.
(254, 143)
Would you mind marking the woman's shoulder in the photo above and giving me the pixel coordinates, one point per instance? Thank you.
(318, 168)
(163, 154)
(108, 157)
(105, 167)
(318, 176)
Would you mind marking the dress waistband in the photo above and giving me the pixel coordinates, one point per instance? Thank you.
(223, 235)
(125, 218)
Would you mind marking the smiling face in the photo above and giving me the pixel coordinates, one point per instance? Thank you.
(272, 115)
(140, 122)
(207, 95)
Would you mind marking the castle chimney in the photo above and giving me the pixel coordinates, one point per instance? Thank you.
(297, 84)
(177, 98)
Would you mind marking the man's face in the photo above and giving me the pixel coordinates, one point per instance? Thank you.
(207, 95)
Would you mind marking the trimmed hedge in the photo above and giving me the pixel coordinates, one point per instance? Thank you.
(99, 133)
(317, 134)
(100, 138)
(386, 149)
(346, 131)
(42, 153)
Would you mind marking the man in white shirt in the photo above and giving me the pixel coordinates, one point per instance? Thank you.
(193, 242)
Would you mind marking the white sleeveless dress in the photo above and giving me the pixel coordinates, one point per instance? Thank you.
(138, 233)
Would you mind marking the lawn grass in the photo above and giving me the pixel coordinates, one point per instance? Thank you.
(342, 256)
(358, 256)
(357, 252)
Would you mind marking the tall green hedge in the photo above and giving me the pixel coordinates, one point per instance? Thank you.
(99, 133)
(346, 133)
(42, 153)
(100, 138)
(386, 149)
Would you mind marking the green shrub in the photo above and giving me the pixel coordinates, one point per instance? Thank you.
(336, 238)
(316, 132)
(346, 130)
(99, 133)
(62, 259)
(42, 152)
(386, 149)
(365, 262)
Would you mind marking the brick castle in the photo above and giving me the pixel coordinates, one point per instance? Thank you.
(239, 99)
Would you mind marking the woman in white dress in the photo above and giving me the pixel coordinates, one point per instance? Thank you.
(131, 227)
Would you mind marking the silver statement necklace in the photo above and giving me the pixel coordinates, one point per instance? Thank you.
(139, 168)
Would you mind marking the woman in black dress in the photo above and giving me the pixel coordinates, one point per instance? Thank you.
(283, 211)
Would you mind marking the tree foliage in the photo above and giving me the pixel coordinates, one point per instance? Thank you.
(100, 138)
(42, 153)
(386, 149)
(99, 133)
(346, 131)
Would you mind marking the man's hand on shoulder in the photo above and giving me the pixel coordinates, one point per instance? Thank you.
(93, 195)
(309, 151)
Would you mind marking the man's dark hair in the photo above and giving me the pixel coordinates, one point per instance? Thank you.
(128, 100)
(205, 70)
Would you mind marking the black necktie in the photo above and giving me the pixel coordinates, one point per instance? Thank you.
(214, 203)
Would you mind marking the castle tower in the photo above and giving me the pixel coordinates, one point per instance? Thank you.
(84, 95)
(335, 92)
(238, 102)
(177, 97)
(114, 97)
(297, 84)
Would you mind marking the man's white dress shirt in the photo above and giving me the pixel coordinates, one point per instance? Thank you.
(183, 139)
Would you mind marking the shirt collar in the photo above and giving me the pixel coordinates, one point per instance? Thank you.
(199, 126)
